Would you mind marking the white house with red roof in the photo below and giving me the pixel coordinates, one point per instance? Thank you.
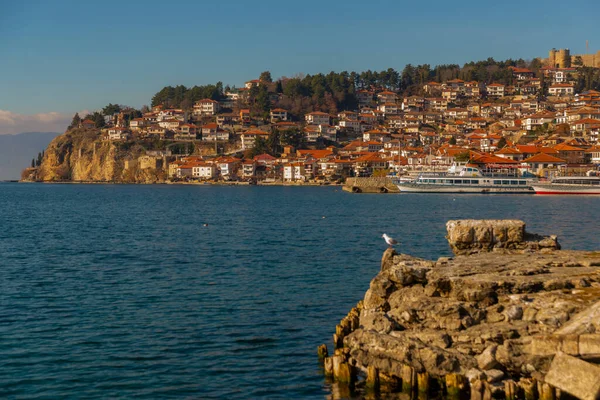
(495, 90)
(205, 107)
(294, 172)
(249, 137)
(203, 170)
(278, 114)
(137, 124)
(248, 169)
(318, 118)
(561, 89)
(536, 164)
(539, 119)
(387, 97)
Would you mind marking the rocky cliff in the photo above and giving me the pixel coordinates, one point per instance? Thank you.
(511, 316)
(81, 156)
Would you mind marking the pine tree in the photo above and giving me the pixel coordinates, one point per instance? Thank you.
(75, 121)
(33, 163)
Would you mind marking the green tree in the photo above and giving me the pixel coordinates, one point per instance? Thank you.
(263, 104)
(292, 137)
(274, 142)
(98, 119)
(111, 109)
(462, 157)
(501, 143)
(452, 141)
(265, 77)
(279, 87)
(260, 147)
(578, 61)
(33, 163)
(75, 121)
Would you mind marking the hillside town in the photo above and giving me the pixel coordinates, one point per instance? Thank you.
(540, 124)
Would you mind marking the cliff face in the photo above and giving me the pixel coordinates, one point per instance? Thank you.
(81, 156)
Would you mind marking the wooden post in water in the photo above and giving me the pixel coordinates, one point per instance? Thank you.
(477, 389)
(546, 391)
(510, 390)
(456, 386)
(423, 385)
(328, 366)
(372, 381)
(322, 352)
(529, 386)
(409, 380)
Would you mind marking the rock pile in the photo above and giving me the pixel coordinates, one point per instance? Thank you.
(474, 236)
(501, 323)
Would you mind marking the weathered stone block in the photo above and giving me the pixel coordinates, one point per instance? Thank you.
(494, 375)
(482, 234)
(569, 344)
(376, 321)
(544, 345)
(515, 231)
(372, 300)
(589, 345)
(574, 376)
(487, 359)
(586, 321)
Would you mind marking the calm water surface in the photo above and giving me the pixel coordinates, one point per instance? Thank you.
(111, 291)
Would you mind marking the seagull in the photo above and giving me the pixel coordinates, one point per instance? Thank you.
(390, 241)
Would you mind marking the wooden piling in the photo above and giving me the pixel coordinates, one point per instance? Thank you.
(510, 390)
(546, 391)
(529, 386)
(409, 379)
(372, 381)
(423, 385)
(328, 366)
(477, 389)
(322, 352)
(456, 385)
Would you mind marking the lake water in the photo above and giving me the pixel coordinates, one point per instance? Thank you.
(118, 291)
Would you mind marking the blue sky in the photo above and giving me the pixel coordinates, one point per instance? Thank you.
(64, 56)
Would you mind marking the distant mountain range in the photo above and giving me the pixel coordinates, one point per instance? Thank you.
(16, 151)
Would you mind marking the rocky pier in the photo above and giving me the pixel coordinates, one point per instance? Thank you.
(511, 315)
(370, 185)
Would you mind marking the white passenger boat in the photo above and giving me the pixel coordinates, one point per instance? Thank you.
(467, 179)
(569, 185)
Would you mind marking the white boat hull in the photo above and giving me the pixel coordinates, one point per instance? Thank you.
(565, 189)
(421, 188)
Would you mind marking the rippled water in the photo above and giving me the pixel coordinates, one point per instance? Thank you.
(111, 291)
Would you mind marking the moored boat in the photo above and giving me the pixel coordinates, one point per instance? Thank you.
(569, 185)
(467, 179)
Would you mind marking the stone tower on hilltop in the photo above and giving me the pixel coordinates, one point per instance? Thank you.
(562, 58)
(559, 58)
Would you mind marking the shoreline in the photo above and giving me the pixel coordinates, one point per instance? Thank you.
(175, 183)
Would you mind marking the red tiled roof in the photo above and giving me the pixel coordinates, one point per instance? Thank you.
(544, 158)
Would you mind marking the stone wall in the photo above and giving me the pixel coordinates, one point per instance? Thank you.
(370, 185)
(474, 236)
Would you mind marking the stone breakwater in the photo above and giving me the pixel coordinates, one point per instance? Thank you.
(370, 185)
(510, 316)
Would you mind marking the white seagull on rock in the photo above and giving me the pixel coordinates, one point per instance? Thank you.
(390, 241)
